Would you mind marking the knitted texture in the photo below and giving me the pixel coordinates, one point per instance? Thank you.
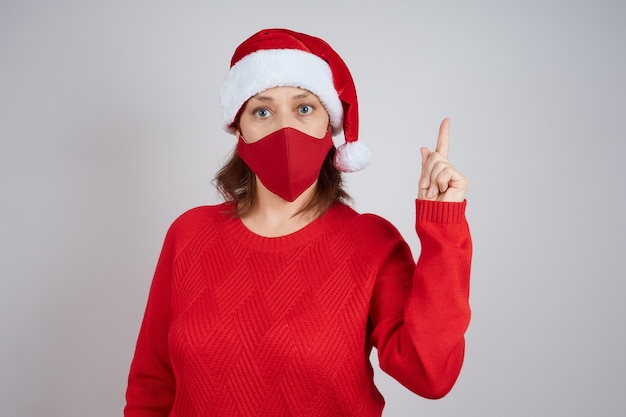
(242, 325)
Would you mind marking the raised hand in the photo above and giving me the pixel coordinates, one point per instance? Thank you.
(439, 180)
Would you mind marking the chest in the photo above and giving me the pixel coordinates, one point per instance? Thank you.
(265, 316)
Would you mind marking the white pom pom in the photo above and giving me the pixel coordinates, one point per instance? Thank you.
(352, 156)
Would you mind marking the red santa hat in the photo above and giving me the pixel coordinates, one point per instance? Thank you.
(281, 57)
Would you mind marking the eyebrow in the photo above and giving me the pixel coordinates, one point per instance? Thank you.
(262, 97)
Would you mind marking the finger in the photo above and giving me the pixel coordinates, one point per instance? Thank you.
(432, 165)
(433, 190)
(439, 177)
(436, 174)
(444, 179)
(443, 138)
(425, 175)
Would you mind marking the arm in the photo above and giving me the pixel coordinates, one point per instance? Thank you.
(420, 322)
(151, 385)
(419, 314)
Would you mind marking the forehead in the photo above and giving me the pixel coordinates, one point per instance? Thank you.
(288, 93)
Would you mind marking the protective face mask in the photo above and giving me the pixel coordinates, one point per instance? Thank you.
(287, 161)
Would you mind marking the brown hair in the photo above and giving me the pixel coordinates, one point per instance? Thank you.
(236, 182)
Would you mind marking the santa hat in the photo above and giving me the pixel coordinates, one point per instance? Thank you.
(281, 57)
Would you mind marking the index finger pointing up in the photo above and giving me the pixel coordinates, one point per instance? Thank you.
(443, 138)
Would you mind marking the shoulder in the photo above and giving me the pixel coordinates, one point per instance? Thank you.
(199, 216)
(376, 227)
(371, 232)
(371, 227)
(194, 221)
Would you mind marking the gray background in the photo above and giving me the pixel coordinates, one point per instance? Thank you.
(110, 128)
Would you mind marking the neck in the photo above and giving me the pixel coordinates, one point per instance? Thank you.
(272, 216)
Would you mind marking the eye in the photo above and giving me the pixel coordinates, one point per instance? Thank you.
(261, 113)
(305, 109)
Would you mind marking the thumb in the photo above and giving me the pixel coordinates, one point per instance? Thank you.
(424, 177)
(425, 154)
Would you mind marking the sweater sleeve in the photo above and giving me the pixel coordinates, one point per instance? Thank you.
(419, 313)
(151, 385)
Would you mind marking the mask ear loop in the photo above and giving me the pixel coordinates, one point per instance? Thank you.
(239, 132)
(329, 128)
(236, 122)
(243, 138)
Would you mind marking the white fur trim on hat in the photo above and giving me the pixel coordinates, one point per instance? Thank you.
(267, 68)
(352, 156)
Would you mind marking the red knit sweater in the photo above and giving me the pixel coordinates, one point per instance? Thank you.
(242, 325)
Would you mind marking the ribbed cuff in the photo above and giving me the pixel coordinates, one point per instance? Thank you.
(427, 211)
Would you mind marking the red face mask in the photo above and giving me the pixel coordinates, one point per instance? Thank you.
(287, 161)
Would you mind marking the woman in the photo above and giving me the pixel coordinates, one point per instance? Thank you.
(270, 303)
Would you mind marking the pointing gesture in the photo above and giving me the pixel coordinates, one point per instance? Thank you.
(439, 180)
